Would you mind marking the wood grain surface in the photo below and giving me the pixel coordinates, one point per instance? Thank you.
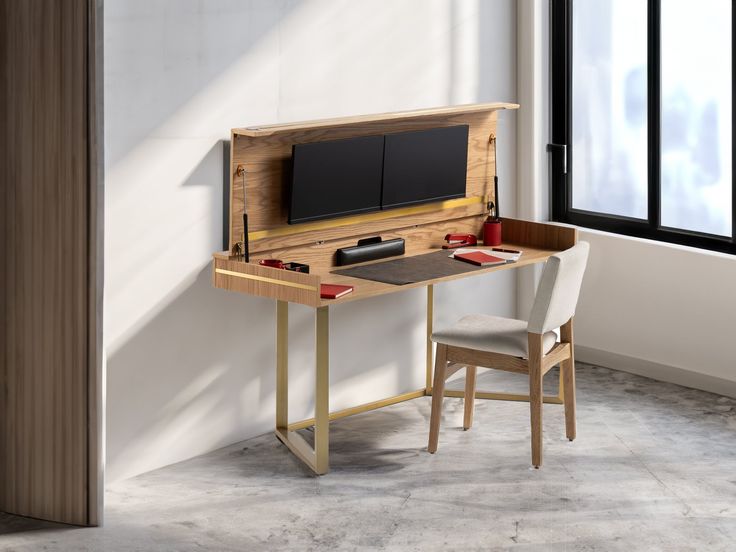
(46, 287)
(265, 156)
(424, 241)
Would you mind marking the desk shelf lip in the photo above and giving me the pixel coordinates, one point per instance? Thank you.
(253, 279)
(271, 130)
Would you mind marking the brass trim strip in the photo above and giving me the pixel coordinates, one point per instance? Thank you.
(360, 409)
(265, 279)
(368, 217)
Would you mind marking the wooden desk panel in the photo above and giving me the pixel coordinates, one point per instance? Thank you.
(253, 279)
(420, 238)
(265, 155)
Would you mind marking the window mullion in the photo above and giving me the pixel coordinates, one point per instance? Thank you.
(733, 128)
(654, 110)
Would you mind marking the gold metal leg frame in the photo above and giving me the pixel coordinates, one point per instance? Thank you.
(316, 458)
(478, 394)
(430, 323)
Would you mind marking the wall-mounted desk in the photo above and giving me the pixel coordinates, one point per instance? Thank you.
(263, 153)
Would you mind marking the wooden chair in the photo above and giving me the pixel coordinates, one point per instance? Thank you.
(516, 346)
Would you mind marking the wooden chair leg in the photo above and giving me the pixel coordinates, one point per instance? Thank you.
(438, 392)
(536, 396)
(469, 400)
(567, 373)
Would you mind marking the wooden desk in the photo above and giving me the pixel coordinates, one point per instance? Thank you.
(286, 287)
(259, 167)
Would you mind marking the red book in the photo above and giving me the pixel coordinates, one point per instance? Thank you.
(333, 291)
(480, 258)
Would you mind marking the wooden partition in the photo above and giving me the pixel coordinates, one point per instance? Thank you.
(50, 279)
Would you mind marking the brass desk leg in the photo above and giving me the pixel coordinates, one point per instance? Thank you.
(317, 457)
(322, 395)
(282, 365)
(430, 320)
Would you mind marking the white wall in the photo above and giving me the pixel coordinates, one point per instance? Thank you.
(659, 310)
(664, 311)
(191, 368)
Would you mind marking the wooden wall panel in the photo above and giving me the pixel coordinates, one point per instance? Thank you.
(266, 155)
(46, 287)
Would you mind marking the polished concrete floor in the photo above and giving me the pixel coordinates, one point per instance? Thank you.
(653, 468)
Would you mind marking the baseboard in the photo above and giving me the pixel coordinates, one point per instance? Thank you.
(654, 370)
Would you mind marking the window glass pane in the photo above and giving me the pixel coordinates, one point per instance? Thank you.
(609, 99)
(696, 115)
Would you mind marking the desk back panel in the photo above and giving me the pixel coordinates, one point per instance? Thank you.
(265, 154)
(320, 256)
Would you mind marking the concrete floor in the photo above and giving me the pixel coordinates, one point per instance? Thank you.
(653, 468)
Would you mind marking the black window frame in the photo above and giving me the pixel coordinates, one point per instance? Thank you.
(561, 177)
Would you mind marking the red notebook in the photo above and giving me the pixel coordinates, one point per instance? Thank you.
(333, 291)
(480, 258)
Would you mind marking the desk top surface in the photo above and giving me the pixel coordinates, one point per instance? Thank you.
(369, 288)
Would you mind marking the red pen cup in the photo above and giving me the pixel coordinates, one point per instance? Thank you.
(273, 263)
(492, 232)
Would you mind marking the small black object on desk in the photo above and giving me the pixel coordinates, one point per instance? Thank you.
(369, 249)
(297, 267)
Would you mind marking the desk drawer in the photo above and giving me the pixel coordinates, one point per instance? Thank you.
(275, 283)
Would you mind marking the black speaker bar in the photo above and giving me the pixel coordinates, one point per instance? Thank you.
(369, 252)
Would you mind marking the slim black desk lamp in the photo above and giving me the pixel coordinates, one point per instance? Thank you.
(240, 171)
(493, 205)
(492, 225)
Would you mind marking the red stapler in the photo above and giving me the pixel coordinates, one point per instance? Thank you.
(459, 240)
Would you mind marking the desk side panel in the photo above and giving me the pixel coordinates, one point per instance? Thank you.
(541, 235)
(253, 279)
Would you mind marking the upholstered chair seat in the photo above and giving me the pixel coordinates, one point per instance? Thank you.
(483, 332)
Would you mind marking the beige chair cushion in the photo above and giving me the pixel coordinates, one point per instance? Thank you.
(494, 334)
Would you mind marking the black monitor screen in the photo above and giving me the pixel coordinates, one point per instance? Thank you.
(335, 178)
(425, 165)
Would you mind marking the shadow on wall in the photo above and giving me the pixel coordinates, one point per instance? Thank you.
(180, 379)
(180, 47)
(200, 374)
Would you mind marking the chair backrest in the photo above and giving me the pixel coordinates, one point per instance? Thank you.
(559, 288)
